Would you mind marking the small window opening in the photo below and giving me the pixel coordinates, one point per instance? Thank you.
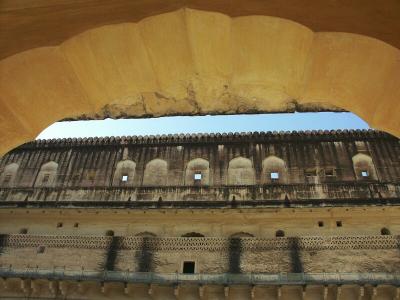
(76, 225)
(188, 267)
(279, 233)
(197, 176)
(41, 249)
(109, 233)
(329, 172)
(59, 225)
(274, 175)
(339, 224)
(46, 178)
(192, 234)
(385, 231)
(124, 178)
(23, 231)
(364, 173)
(320, 224)
(7, 179)
(310, 172)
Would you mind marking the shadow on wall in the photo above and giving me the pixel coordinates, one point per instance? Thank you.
(295, 257)
(234, 255)
(3, 242)
(111, 254)
(145, 257)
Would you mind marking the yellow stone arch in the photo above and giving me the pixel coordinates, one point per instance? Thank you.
(191, 62)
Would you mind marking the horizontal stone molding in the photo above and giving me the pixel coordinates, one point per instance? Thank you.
(217, 279)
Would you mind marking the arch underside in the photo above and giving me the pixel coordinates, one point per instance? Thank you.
(192, 62)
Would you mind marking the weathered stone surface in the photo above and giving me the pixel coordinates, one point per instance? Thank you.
(179, 64)
(234, 169)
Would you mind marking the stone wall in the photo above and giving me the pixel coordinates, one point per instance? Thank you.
(305, 165)
(347, 254)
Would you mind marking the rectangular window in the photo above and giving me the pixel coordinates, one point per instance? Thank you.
(329, 172)
(310, 172)
(124, 178)
(7, 179)
(46, 178)
(197, 176)
(320, 224)
(364, 173)
(274, 175)
(188, 267)
(338, 223)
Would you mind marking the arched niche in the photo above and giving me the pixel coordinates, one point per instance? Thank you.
(241, 172)
(274, 170)
(7, 177)
(124, 173)
(241, 234)
(47, 175)
(155, 173)
(146, 234)
(197, 172)
(364, 167)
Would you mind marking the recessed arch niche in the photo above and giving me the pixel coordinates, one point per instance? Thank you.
(197, 166)
(47, 175)
(155, 173)
(241, 171)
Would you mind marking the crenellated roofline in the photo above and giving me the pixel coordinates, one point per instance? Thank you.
(230, 137)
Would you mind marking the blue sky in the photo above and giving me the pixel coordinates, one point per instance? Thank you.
(205, 124)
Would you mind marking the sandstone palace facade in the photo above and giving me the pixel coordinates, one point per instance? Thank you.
(300, 215)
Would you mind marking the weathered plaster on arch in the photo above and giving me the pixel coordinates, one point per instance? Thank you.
(192, 62)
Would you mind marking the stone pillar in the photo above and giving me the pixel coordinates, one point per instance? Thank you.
(188, 292)
(159, 292)
(239, 292)
(138, 291)
(212, 292)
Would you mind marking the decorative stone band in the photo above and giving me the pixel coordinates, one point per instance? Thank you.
(203, 244)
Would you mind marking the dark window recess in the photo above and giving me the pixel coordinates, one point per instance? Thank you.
(23, 231)
(320, 224)
(76, 225)
(188, 267)
(329, 172)
(385, 231)
(279, 233)
(41, 249)
(7, 179)
(339, 224)
(109, 233)
(46, 178)
(59, 225)
(310, 172)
